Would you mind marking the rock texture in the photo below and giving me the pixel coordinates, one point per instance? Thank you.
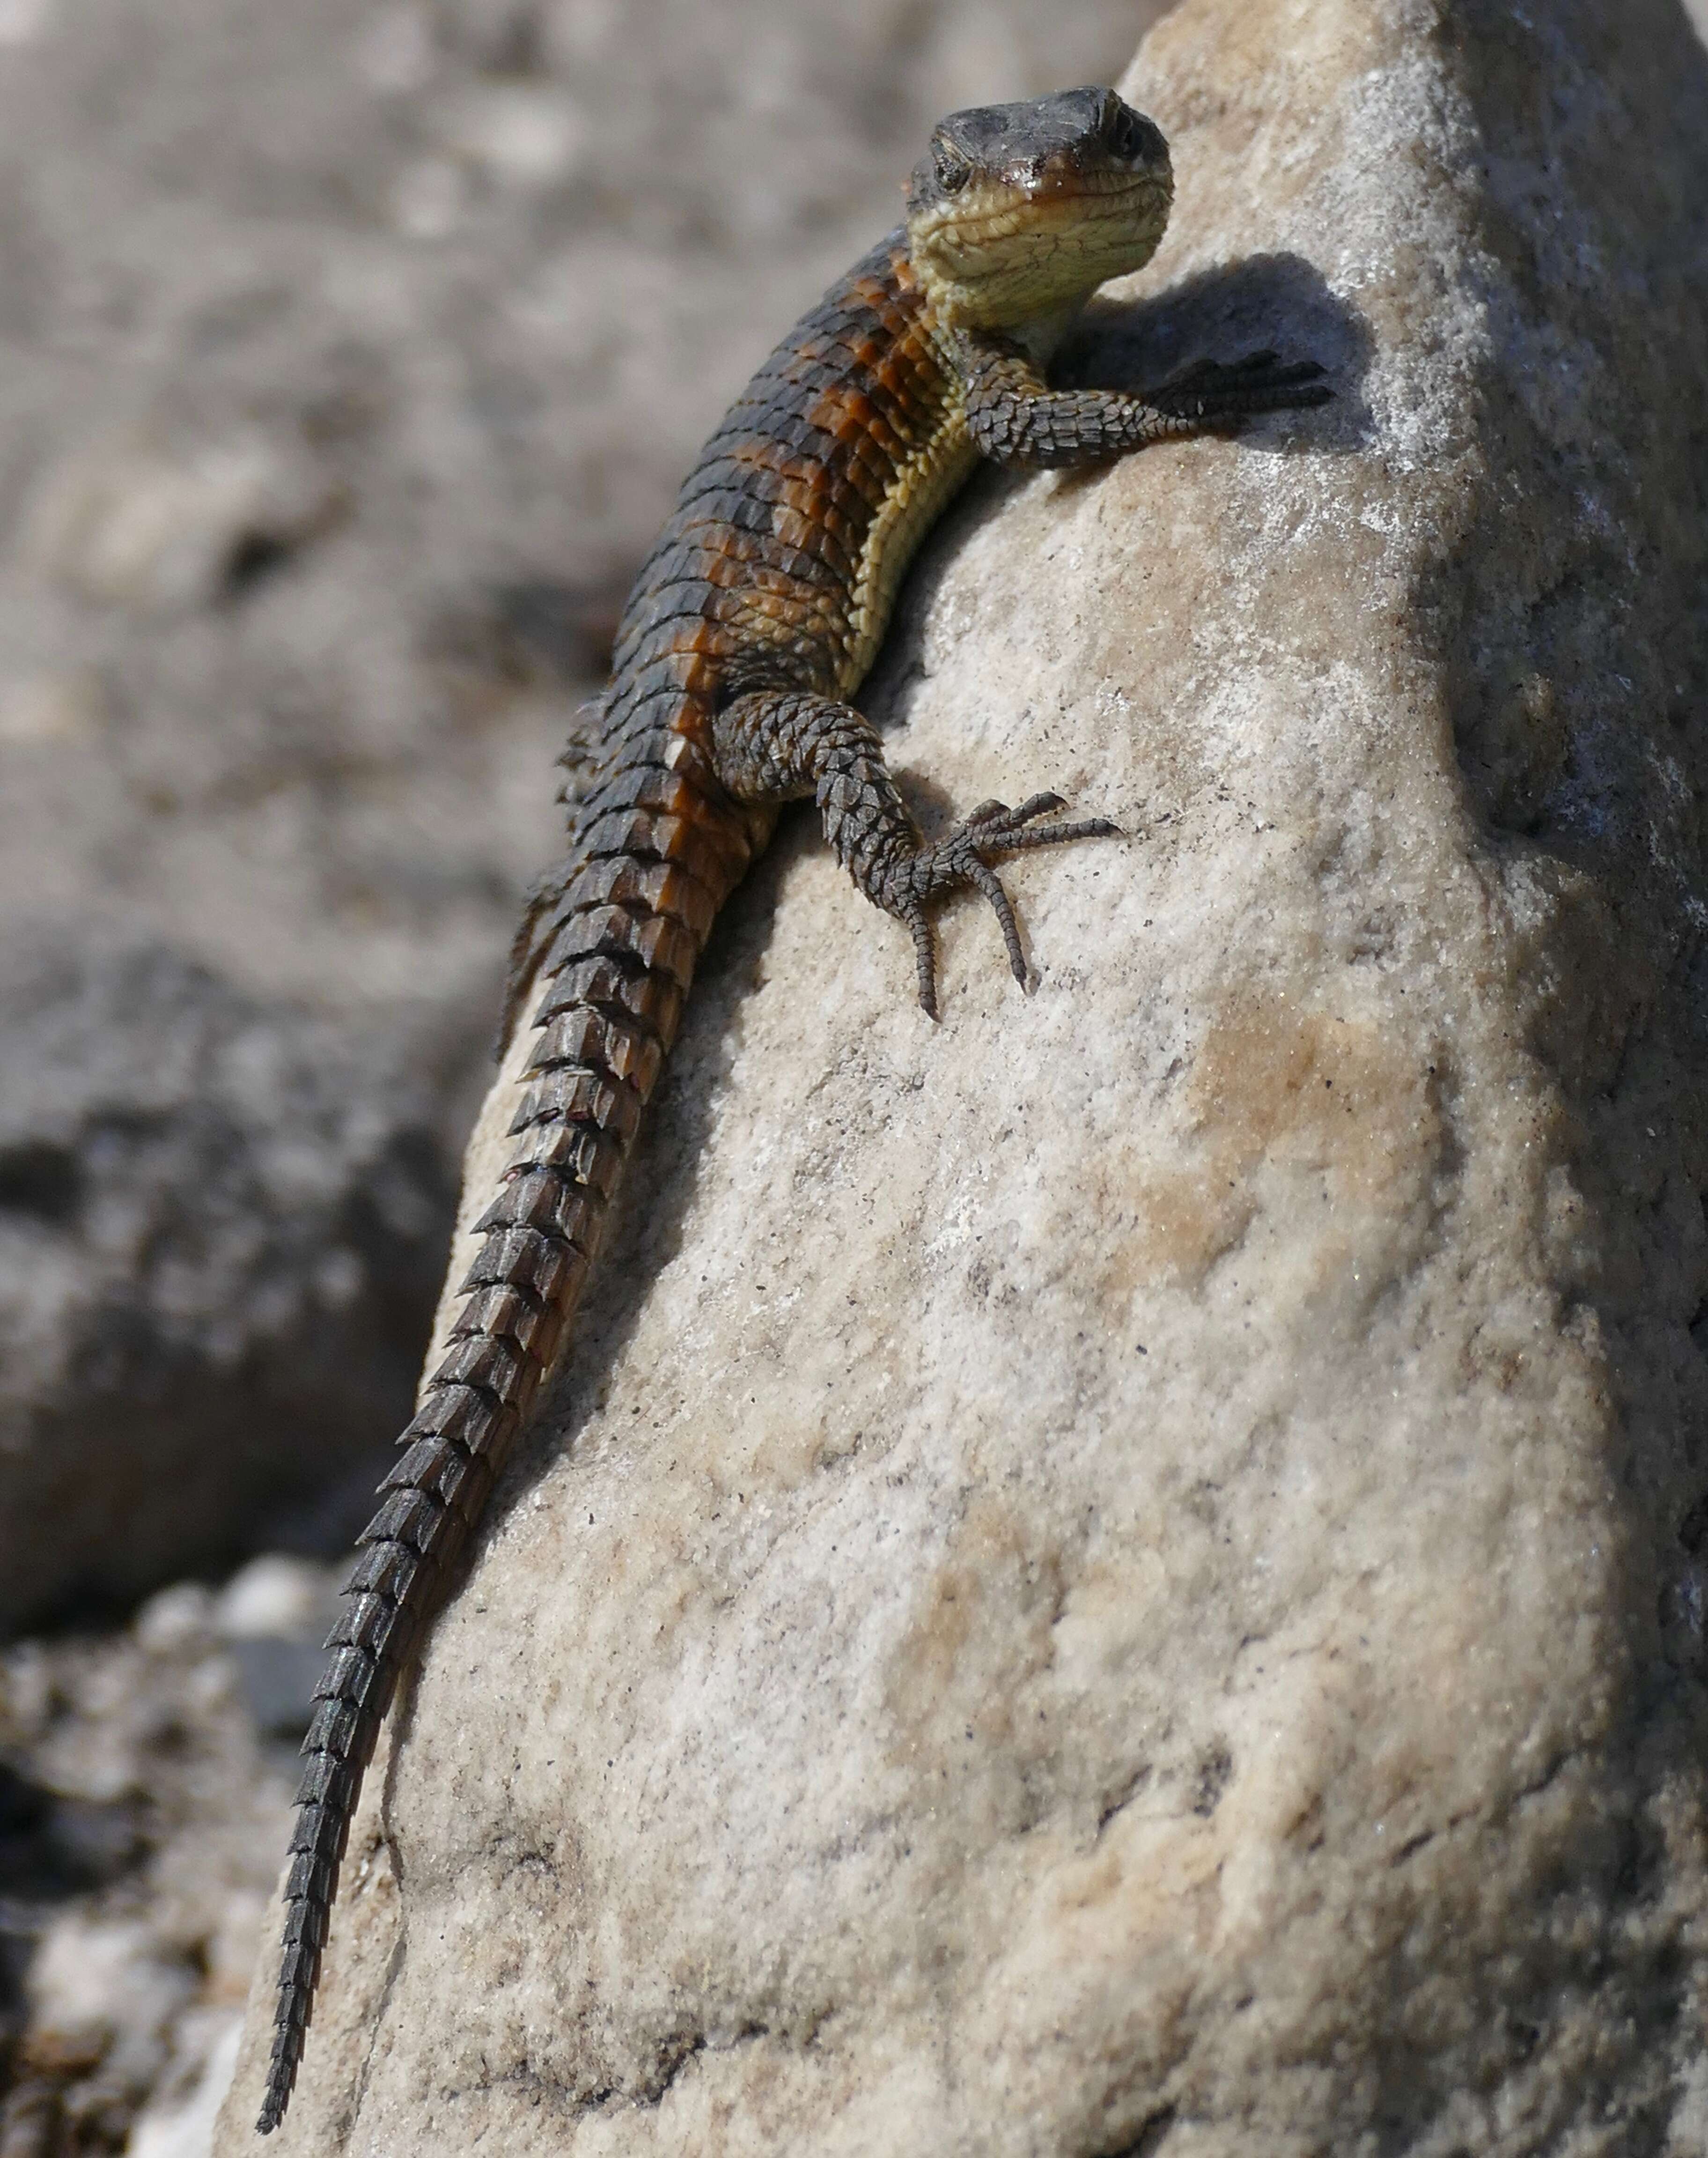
(1124, 1574)
(347, 357)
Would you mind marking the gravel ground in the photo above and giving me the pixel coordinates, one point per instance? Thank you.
(145, 1784)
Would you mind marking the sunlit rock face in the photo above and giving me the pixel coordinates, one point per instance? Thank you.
(1121, 1574)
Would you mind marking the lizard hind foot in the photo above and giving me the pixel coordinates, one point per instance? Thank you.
(962, 860)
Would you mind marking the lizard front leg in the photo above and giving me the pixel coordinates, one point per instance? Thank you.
(1016, 418)
(779, 746)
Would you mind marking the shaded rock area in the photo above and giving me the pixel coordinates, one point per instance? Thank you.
(1124, 1574)
(145, 1780)
(348, 357)
(218, 1230)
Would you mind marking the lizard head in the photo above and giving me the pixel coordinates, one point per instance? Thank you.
(1020, 211)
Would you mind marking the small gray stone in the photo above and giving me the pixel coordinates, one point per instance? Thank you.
(275, 1595)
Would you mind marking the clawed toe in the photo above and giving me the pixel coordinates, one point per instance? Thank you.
(1051, 835)
(925, 958)
(961, 859)
(991, 885)
(993, 823)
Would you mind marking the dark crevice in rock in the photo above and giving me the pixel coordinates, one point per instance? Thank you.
(1149, 2140)
(1216, 1770)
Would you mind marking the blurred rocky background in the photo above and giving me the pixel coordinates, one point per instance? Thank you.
(145, 1781)
(348, 355)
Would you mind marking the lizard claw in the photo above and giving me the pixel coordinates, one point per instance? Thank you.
(962, 858)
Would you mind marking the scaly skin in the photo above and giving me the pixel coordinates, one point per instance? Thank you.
(754, 620)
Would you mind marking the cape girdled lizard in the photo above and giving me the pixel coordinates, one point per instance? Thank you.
(754, 620)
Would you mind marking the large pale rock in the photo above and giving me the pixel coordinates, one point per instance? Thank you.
(1120, 1574)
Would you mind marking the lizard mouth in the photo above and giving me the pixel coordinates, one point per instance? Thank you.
(1011, 246)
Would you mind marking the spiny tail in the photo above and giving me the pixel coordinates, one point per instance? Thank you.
(632, 924)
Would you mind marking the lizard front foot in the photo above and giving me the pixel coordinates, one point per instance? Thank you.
(962, 858)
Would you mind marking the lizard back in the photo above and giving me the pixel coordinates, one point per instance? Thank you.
(779, 564)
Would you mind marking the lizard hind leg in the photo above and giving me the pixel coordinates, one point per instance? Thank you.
(778, 746)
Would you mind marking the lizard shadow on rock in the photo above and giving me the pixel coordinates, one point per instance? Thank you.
(1263, 302)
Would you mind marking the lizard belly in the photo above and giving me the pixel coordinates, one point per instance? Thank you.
(934, 471)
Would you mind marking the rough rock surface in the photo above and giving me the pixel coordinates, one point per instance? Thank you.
(347, 356)
(1125, 1573)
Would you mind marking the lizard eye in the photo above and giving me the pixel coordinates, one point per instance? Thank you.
(953, 170)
